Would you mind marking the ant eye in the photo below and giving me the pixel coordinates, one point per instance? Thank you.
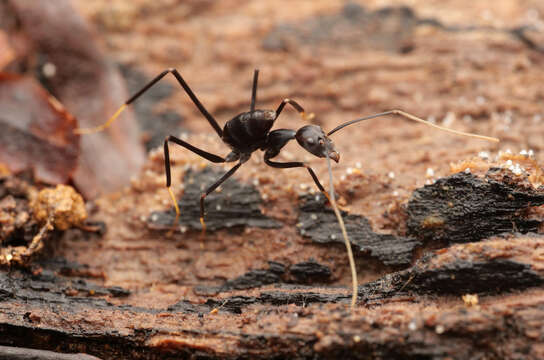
(310, 140)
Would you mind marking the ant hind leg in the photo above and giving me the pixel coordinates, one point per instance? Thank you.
(297, 107)
(157, 78)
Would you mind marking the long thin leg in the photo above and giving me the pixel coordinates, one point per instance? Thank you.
(295, 164)
(212, 188)
(297, 107)
(206, 155)
(254, 90)
(183, 84)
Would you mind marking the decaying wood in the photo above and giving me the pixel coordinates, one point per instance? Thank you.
(292, 310)
(450, 270)
(235, 205)
(30, 219)
(60, 311)
(14, 353)
(446, 210)
(319, 223)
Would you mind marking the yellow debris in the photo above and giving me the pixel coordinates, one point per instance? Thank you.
(63, 204)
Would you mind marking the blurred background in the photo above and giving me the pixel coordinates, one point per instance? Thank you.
(471, 65)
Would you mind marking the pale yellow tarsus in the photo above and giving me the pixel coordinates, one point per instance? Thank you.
(173, 197)
(175, 223)
(307, 117)
(103, 126)
(203, 226)
(203, 233)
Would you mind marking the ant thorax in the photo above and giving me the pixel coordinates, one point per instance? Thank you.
(257, 115)
(234, 155)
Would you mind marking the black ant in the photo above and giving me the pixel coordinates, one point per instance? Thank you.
(244, 134)
(250, 131)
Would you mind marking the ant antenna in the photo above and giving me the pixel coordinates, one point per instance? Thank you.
(413, 118)
(254, 90)
(332, 201)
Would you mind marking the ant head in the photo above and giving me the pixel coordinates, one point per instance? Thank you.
(314, 140)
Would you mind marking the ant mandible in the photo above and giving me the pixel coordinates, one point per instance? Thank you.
(250, 131)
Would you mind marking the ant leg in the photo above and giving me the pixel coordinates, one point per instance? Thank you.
(254, 90)
(212, 188)
(206, 155)
(297, 107)
(183, 84)
(295, 164)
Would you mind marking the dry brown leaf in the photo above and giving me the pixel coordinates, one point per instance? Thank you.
(7, 54)
(37, 132)
(63, 51)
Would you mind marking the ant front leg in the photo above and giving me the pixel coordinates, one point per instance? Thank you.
(206, 155)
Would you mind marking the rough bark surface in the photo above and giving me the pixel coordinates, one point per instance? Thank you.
(446, 210)
(320, 224)
(234, 206)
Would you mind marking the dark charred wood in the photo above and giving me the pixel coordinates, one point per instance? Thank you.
(320, 224)
(310, 272)
(464, 208)
(305, 272)
(48, 286)
(463, 277)
(17, 228)
(429, 276)
(252, 279)
(235, 205)
(16, 353)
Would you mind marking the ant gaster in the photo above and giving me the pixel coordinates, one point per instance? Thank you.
(251, 131)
